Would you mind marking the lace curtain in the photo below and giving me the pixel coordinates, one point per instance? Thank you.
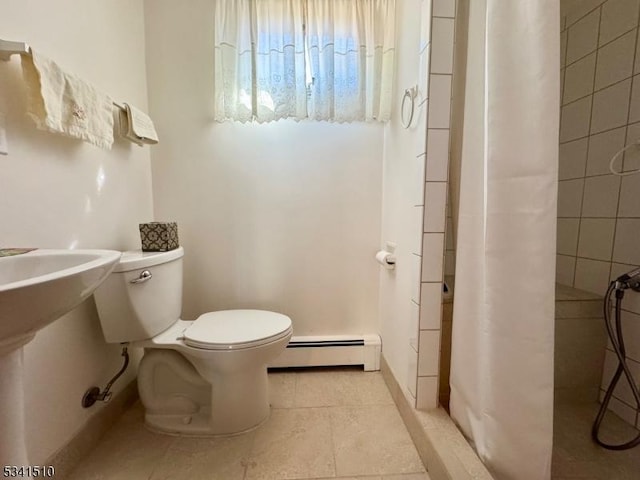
(304, 59)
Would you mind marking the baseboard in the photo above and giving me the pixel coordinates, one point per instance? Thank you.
(331, 350)
(444, 451)
(87, 438)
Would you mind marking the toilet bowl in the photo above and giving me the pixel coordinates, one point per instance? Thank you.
(201, 377)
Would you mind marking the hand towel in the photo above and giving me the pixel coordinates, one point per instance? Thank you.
(61, 102)
(137, 126)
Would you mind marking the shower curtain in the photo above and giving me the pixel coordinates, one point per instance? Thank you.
(503, 328)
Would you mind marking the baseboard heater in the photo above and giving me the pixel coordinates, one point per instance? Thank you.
(331, 350)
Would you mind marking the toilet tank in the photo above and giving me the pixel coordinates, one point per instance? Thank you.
(130, 309)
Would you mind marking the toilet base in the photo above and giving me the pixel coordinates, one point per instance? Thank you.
(192, 395)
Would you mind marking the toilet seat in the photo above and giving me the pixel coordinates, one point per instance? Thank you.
(236, 329)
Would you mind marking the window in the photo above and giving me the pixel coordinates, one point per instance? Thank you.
(304, 59)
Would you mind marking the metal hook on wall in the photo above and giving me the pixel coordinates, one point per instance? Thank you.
(411, 94)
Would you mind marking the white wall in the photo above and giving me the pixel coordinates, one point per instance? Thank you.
(282, 216)
(599, 213)
(401, 221)
(62, 193)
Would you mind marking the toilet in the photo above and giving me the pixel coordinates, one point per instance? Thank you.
(202, 377)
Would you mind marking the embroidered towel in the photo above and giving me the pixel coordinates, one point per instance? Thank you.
(61, 102)
(137, 126)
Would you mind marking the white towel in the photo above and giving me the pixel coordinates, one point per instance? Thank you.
(137, 126)
(63, 103)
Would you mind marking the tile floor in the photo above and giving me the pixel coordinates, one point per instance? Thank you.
(324, 424)
(576, 456)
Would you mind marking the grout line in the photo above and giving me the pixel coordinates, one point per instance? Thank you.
(594, 90)
(598, 47)
(575, 269)
(567, 24)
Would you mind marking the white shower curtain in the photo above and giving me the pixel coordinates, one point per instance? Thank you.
(503, 328)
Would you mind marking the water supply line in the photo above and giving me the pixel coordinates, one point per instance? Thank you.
(94, 394)
(630, 280)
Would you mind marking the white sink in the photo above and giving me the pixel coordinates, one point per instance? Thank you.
(36, 288)
(40, 286)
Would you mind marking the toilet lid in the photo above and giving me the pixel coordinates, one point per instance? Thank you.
(232, 329)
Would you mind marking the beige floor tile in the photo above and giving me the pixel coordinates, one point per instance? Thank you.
(293, 443)
(372, 440)
(205, 458)
(282, 389)
(127, 452)
(329, 388)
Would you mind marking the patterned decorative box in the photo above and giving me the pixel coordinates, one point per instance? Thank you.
(159, 236)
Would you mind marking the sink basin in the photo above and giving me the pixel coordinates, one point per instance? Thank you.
(38, 287)
(35, 289)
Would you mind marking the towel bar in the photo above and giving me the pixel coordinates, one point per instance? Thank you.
(8, 48)
(12, 48)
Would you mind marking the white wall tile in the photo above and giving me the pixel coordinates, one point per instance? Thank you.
(630, 198)
(626, 247)
(583, 37)
(575, 120)
(636, 64)
(596, 238)
(442, 45)
(437, 155)
(634, 108)
(615, 60)
(567, 239)
(631, 328)
(576, 10)
(602, 147)
(427, 397)
(434, 206)
(632, 156)
(440, 101)
(610, 107)
(578, 80)
(416, 265)
(570, 197)
(592, 275)
(601, 196)
(618, 16)
(624, 411)
(565, 269)
(431, 306)
(622, 391)
(444, 8)
(432, 257)
(573, 158)
(428, 353)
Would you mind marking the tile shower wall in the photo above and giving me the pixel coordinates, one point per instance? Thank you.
(435, 155)
(599, 213)
(58, 192)
(415, 190)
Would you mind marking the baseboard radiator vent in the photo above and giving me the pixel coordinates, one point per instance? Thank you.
(331, 350)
